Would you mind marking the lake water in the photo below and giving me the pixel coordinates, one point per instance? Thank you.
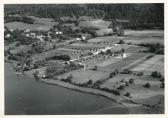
(24, 95)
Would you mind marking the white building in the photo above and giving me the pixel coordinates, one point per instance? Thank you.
(33, 35)
(58, 32)
(7, 36)
(27, 35)
(26, 31)
(78, 39)
(83, 38)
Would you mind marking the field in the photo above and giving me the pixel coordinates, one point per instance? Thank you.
(47, 54)
(144, 36)
(153, 64)
(119, 63)
(40, 24)
(82, 76)
(99, 24)
(137, 91)
(96, 23)
(134, 37)
(144, 32)
(108, 39)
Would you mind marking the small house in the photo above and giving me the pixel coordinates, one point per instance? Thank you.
(58, 32)
(26, 30)
(7, 36)
(27, 34)
(33, 35)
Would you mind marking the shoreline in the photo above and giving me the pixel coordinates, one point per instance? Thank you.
(121, 100)
(83, 89)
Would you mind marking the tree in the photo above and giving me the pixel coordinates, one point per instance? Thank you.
(156, 74)
(162, 85)
(127, 94)
(36, 74)
(131, 81)
(94, 68)
(90, 82)
(54, 46)
(122, 50)
(121, 42)
(147, 85)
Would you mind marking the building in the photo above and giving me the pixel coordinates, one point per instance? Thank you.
(26, 31)
(58, 32)
(7, 35)
(33, 35)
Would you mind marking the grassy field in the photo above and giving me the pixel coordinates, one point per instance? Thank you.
(40, 24)
(21, 48)
(144, 36)
(122, 62)
(82, 76)
(96, 23)
(153, 64)
(109, 39)
(144, 32)
(50, 53)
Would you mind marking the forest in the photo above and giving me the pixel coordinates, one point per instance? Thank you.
(151, 14)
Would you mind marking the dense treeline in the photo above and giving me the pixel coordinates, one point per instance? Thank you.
(23, 19)
(151, 14)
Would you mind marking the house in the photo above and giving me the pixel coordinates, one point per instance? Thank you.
(49, 35)
(58, 32)
(27, 34)
(83, 38)
(8, 36)
(78, 39)
(33, 35)
(40, 38)
(26, 30)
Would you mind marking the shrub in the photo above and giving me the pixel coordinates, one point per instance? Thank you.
(147, 85)
(139, 73)
(162, 85)
(121, 42)
(131, 81)
(162, 79)
(127, 94)
(89, 82)
(156, 74)
(121, 87)
(126, 84)
(94, 68)
(112, 74)
(127, 71)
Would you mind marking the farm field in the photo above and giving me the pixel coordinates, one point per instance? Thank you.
(108, 39)
(121, 62)
(50, 53)
(150, 65)
(95, 23)
(142, 39)
(144, 33)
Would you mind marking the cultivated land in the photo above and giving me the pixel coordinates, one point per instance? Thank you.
(116, 67)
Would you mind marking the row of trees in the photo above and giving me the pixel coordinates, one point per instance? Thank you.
(156, 48)
(23, 19)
